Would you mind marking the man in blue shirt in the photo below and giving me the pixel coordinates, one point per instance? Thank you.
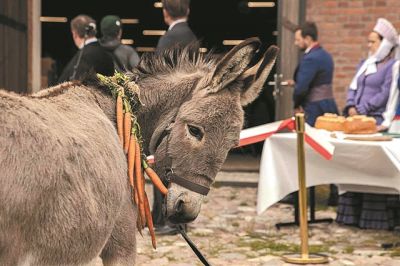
(313, 93)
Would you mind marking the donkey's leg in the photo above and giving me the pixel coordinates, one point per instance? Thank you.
(121, 246)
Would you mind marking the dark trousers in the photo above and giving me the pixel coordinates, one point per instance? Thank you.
(314, 109)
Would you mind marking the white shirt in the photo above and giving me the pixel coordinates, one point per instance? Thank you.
(91, 40)
(309, 48)
(176, 22)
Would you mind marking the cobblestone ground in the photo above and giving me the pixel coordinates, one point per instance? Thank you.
(229, 232)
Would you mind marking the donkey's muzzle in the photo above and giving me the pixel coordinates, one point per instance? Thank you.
(182, 205)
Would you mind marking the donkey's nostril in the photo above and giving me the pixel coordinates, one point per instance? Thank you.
(179, 206)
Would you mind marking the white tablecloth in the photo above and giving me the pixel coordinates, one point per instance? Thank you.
(362, 166)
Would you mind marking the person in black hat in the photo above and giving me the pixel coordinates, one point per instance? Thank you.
(91, 56)
(125, 57)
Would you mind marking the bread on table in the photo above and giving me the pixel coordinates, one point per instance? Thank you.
(360, 124)
(330, 122)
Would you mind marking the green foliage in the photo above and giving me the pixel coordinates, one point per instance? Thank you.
(121, 85)
(348, 250)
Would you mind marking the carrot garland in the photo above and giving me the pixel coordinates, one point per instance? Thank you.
(149, 220)
(139, 182)
(127, 130)
(126, 93)
(139, 225)
(136, 197)
(131, 159)
(119, 114)
(155, 178)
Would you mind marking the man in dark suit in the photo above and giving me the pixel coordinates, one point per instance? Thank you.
(179, 35)
(313, 93)
(91, 56)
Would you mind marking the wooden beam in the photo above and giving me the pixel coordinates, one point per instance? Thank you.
(290, 16)
(34, 45)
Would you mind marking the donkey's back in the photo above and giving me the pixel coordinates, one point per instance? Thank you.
(62, 179)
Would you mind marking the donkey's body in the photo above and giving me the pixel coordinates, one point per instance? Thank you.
(63, 182)
(64, 198)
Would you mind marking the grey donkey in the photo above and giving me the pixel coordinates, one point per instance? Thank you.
(64, 198)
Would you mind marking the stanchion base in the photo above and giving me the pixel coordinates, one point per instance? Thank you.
(314, 221)
(311, 259)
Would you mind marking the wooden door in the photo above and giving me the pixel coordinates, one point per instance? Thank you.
(290, 15)
(20, 45)
(13, 45)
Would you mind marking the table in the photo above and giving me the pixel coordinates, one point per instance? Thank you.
(360, 166)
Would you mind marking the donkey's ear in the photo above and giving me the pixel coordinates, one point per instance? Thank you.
(233, 64)
(256, 76)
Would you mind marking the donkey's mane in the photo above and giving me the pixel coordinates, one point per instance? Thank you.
(55, 90)
(186, 60)
(178, 59)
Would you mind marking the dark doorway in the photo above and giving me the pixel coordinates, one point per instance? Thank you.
(213, 21)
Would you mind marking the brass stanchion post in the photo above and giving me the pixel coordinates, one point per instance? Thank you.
(304, 257)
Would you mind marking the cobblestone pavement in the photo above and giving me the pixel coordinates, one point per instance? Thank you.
(229, 232)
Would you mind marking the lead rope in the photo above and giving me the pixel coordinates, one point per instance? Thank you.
(192, 245)
(180, 227)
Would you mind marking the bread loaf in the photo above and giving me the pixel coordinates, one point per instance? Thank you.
(330, 122)
(360, 124)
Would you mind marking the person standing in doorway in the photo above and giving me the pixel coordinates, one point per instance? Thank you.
(125, 57)
(312, 83)
(91, 56)
(313, 94)
(178, 35)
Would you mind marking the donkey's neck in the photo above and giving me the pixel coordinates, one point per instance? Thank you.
(95, 97)
(91, 95)
(162, 100)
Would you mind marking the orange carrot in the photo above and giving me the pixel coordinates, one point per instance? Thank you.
(131, 159)
(127, 130)
(139, 225)
(136, 197)
(149, 220)
(120, 116)
(139, 181)
(155, 179)
(142, 205)
(139, 222)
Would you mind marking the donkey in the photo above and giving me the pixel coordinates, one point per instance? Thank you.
(64, 198)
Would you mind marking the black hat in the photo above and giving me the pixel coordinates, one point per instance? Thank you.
(110, 25)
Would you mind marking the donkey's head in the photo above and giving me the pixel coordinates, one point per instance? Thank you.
(191, 143)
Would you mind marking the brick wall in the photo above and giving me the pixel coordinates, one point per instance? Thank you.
(343, 29)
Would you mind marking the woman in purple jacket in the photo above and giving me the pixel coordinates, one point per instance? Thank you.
(368, 94)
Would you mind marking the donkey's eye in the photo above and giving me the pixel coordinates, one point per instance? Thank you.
(195, 132)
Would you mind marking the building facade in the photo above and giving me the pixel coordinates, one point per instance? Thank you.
(343, 29)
